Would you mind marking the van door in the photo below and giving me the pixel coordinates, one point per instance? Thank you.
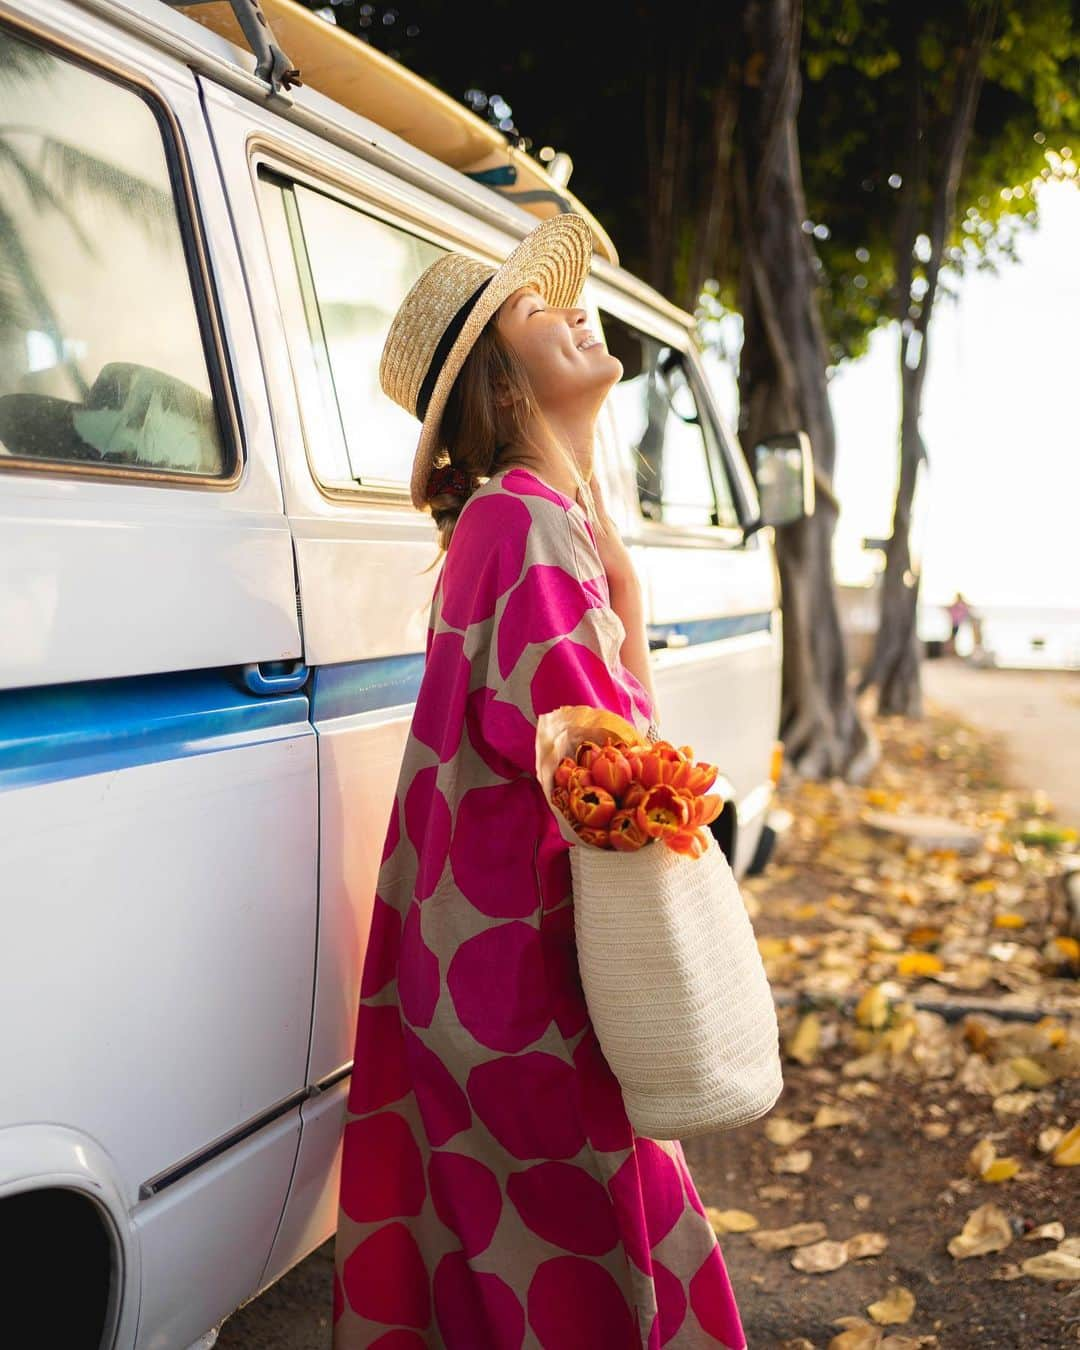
(713, 616)
(331, 252)
(157, 765)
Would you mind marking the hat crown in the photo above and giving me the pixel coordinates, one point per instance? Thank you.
(421, 320)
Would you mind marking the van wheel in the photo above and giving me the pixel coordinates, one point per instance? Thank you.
(56, 1269)
(723, 827)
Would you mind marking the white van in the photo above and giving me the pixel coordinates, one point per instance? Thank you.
(213, 612)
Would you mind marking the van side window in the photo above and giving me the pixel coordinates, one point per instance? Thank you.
(103, 362)
(681, 475)
(354, 270)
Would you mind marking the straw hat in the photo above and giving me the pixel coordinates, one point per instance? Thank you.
(445, 311)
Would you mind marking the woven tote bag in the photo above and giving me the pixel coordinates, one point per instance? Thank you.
(675, 988)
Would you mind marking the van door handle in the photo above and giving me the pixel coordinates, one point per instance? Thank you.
(668, 640)
(267, 677)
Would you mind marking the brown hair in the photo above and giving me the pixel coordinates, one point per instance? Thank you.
(476, 430)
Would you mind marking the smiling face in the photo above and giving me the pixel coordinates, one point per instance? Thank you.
(569, 367)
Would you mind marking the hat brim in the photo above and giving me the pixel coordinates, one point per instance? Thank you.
(555, 258)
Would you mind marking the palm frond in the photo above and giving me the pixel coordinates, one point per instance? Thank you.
(41, 195)
(76, 171)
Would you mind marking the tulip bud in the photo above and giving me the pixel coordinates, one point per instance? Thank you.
(593, 806)
(625, 834)
(611, 770)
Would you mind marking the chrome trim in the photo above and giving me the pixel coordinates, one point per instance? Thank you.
(204, 295)
(156, 1184)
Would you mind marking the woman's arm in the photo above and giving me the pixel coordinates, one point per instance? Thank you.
(624, 587)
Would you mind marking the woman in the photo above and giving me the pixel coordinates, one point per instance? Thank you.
(493, 1192)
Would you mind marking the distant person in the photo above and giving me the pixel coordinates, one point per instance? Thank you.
(960, 612)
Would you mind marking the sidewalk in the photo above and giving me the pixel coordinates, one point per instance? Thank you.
(1038, 713)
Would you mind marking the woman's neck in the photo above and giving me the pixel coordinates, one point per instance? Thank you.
(546, 461)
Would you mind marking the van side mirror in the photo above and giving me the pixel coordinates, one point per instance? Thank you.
(784, 473)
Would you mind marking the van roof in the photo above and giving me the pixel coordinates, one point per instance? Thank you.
(192, 36)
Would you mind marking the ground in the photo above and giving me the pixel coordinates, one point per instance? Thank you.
(885, 1098)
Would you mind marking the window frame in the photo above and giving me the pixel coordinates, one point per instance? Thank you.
(270, 160)
(205, 299)
(717, 449)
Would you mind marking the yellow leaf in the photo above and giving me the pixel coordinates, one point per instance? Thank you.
(987, 1230)
(859, 1335)
(1067, 1153)
(798, 1235)
(1009, 921)
(897, 1306)
(730, 1220)
(828, 1116)
(1030, 1072)
(1001, 1169)
(862, 1245)
(771, 947)
(872, 1010)
(919, 963)
(1069, 948)
(783, 1131)
(798, 1160)
(925, 935)
(981, 1157)
(1052, 1029)
(806, 1042)
(807, 911)
(984, 886)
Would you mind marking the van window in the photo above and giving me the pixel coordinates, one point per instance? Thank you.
(681, 474)
(103, 362)
(354, 270)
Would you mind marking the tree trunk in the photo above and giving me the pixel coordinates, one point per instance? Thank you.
(782, 386)
(895, 666)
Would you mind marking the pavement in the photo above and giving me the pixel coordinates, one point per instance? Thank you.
(1036, 712)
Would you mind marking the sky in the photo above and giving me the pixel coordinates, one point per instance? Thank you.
(999, 511)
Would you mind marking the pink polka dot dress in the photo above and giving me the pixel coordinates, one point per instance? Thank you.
(494, 1195)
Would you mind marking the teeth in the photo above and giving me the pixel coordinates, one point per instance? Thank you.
(592, 342)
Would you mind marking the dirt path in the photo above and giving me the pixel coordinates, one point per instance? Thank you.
(1038, 714)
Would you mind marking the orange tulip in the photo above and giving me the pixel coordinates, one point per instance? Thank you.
(579, 780)
(564, 769)
(589, 835)
(625, 834)
(705, 809)
(634, 795)
(691, 777)
(690, 842)
(592, 806)
(585, 752)
(611, 770)
(560, 799)
(662, 812)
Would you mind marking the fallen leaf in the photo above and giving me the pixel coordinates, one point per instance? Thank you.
(798, 1160)
(829, 1116)
(987, 1230)
(919, 963)
(784, 1131)
(897, 1306)
(937, 1129)
(1067, 1152)
(1055, 1231)
(1050, 1138)
(806, 1041)
(981, 1156)
(820, 1257)
(1055, 1265)
(797, 1235)
(1015, 1104)
(859, 1336)
(862, 1201)
(730, 1220)
(1008, 920)
(1031, 1073)
(1001, 1169)
(872, 1010)
(866, 1244)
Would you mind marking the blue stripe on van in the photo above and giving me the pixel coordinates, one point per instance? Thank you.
(365, 686)
(713, 630)
(96, 726)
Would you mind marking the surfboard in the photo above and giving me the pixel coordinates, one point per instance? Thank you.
(367, 82)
